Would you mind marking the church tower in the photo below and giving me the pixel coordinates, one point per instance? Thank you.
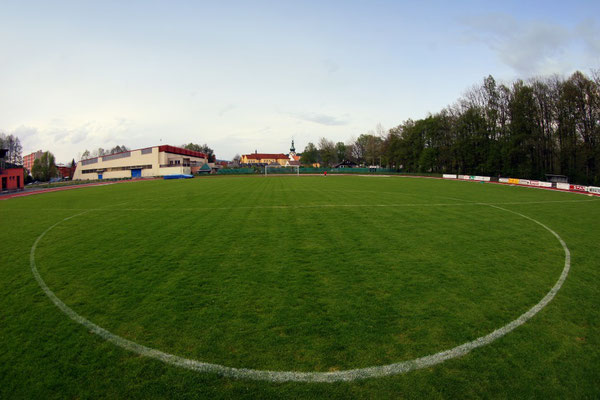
(292, 154)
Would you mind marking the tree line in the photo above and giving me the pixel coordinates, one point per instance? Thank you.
(524, 129)
(99, 152)
(210, 154)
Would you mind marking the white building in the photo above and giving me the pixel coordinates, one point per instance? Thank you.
(148, 162)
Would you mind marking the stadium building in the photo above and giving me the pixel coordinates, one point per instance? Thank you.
(149, 162)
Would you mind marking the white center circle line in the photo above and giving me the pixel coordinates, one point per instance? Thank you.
(296, 376)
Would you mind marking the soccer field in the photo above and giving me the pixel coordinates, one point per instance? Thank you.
(311, 287)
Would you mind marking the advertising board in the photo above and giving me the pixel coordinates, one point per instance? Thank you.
(593, 189)
(578, 188)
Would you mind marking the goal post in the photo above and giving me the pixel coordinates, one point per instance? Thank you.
(282, 169)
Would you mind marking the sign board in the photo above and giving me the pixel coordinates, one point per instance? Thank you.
(474, 178)
(593, 189)
(578, 188)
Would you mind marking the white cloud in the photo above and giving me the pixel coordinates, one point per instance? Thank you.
(589, 32)
(65, 142)
(322, 119)
(534, 47)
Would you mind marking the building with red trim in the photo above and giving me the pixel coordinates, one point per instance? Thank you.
(140, 163)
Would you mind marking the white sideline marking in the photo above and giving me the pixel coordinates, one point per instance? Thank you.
(288, 376)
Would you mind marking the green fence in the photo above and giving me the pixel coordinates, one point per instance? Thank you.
(303, 170)
(237, 171)
(345, 170)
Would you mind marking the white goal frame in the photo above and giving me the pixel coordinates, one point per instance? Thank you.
(282, 166)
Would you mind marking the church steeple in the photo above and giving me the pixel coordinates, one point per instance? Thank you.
(293, 149)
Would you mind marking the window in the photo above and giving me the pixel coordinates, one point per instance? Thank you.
(90, 161)
(116, 156)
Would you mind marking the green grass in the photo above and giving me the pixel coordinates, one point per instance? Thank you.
(303, 274)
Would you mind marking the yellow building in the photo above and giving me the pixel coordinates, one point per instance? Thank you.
(148, 162)
(263, 158)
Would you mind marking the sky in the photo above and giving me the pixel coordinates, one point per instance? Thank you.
(246, 76)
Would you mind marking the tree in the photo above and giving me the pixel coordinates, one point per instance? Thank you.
(340, 151)
(373, 149)
(44, 167)
(99, 152)
(359, 149)
(13, 145)
(118, 149)
(310, 155)
(210, 154)
(327, 151)
(237, 160)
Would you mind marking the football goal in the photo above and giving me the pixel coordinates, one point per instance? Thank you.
(281, 169)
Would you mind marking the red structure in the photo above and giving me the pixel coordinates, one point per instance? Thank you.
(11, 179)
(179, 150)
(65, 172)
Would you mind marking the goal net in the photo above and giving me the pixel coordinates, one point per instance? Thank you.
(280, 169)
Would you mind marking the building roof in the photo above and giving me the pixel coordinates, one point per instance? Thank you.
(179, 150)
(346, 163)
(164, 148)
(260, 156)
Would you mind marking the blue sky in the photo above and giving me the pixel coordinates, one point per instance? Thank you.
(245, 76)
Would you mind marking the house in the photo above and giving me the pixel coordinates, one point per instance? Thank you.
(203, 170)
(264, 159)
(65, 172)
(346, 164)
